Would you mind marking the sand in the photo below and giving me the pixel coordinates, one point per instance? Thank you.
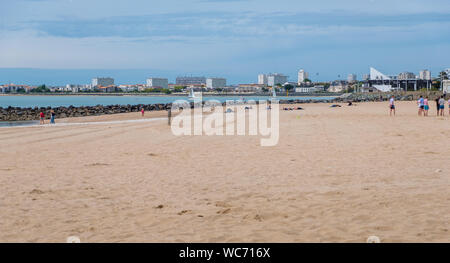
(336, 175)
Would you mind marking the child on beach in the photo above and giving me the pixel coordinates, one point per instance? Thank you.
(392, 106)
(437, 106)
(52, 117)
(42, 117)
(420, 102)
(441, 106)
(426, 107)
(142, 111)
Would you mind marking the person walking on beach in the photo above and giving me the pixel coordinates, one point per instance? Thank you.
(426, 107)
(52, 117)
(441, 106)
(42, 118)
(392, 106)
(449, 106)
(420, 102)
(142, 111)
(437, 106)
(169, 116)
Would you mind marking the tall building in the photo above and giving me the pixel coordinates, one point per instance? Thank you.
(213, 83)
(275, 79)
(351, 78)
(102, 82)
(366, 77)
(406, 75)
(425, 74)
(158, 83)
(262, 79)
(302, 76)
(186, 81)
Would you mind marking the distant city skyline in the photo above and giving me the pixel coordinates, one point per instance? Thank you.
(61, 77)
(72, 41)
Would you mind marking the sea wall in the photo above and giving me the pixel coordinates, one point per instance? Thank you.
(26, 114)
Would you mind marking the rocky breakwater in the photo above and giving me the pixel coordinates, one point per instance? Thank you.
(28, 114)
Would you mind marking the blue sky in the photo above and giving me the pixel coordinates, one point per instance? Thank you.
(71, 41)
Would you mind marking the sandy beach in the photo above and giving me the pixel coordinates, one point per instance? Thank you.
(336, 175)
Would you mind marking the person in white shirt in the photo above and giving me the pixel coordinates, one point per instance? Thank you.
(392, 106)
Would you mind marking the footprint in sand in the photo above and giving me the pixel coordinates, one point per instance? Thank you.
(184, 212)
(258, 218)
(152, 154)
(97, 164)
(37, 191)
(159, 207)
(224, 211)
(222, 204)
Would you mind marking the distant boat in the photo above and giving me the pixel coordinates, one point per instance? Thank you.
(191, 94)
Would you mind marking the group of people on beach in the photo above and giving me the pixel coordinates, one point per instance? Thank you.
(424, 106)
(42, 117)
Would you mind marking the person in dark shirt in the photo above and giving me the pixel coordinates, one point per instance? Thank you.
(437, 106)
(52, 117)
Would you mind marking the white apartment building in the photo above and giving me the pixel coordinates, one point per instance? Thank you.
(275, 79)
(213, 83)
(12, 88)
(351, 78)
(306, 89)
(131, 88)
(302, 76)
(310, 89)
(76, 88)
(262, 79)
(158, 83)
(249, 88)
(102, 82)
(337, 86)
(425, 74)
(406, 75)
